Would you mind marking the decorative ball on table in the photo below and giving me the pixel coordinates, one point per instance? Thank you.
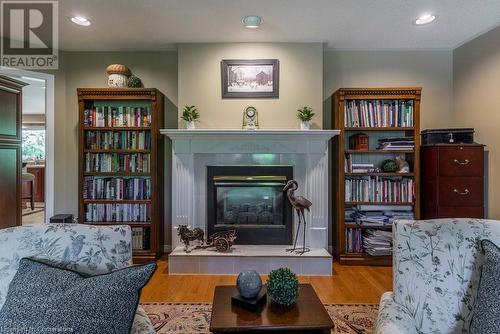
(283, 286)
(249, 284)
(134, 82)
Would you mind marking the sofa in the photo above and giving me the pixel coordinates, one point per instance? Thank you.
(84, 248)
(436, 271)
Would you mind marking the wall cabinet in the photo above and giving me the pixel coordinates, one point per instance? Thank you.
(10, 151)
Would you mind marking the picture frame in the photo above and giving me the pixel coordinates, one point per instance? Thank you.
(249, 78)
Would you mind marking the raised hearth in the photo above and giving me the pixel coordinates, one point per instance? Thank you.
(263, 259)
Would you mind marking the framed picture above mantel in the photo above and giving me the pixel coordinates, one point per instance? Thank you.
(250, 78)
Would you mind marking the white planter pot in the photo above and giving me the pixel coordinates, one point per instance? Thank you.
(190, 125)
(305, 125)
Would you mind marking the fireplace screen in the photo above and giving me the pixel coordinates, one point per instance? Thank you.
(251, 200)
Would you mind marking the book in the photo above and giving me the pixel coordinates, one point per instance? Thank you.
(378, 113)
(401, 143)
(117, 140)
(116, 188)
(379, 189)
(140, 238)
(377, 242)
(95, 212)
(123, 116)
(117, 162)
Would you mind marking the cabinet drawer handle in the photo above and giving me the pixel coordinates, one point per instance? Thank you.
(465, 192)
(465, 162)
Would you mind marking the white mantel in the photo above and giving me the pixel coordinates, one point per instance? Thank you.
(194, 150)
(249, 141)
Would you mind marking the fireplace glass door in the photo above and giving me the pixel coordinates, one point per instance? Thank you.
(251, 200)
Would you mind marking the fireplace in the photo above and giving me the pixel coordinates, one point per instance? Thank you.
(250, 199)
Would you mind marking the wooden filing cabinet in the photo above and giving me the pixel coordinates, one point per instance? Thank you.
(452, 181)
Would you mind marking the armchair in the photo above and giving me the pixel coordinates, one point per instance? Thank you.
(84, 248)
(436, 271)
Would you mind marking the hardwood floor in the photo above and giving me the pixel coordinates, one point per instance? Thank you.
(349, 284)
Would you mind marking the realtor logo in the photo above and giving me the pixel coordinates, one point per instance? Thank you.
(29, 31)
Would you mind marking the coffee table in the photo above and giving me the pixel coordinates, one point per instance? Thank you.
(306, 316)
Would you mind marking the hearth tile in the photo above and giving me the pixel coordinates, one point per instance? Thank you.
(261, 265)
(316, 266)
(183, 265)
(219, 265)
(292, 263)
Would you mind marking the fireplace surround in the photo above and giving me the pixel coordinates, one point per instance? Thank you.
(194, 150)
(250, 199)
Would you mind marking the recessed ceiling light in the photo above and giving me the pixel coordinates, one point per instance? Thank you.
(425, 19)
(80, 20)
(252, 21)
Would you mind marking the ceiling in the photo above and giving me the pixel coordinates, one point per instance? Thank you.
(339, 24)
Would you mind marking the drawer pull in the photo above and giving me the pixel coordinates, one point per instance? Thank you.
(465, 192)
(465, 162)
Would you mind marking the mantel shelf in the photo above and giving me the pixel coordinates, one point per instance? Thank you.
(250, 134)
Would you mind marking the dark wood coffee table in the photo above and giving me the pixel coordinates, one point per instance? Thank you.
(307, 315)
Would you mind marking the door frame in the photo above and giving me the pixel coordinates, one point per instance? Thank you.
(49, 132)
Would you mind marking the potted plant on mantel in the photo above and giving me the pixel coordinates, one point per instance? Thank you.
(190, 115)
(305, 115)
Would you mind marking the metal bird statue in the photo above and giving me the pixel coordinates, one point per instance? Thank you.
(299, 203)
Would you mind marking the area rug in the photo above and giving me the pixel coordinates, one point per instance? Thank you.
(187, 318)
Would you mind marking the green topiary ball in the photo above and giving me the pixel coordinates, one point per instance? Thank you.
(134, 82)
(389, 166)
(283, 286)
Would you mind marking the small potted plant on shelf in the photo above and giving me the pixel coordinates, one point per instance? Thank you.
(305, 115)
(190, 115)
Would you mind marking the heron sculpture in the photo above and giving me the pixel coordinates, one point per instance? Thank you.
(299, 203)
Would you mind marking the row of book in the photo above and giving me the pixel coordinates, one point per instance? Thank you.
(117, 212)
(396, 143)
(112, 188)
(354, 240)
(372, 241)
(122, 140)
(140, 238)
(352, 167)
(124, 116)
(377, 216)
(379, 113)
(379, 189)
(117, 162)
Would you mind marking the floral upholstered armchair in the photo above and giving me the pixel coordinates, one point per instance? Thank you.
(436, 271)
(84, 248)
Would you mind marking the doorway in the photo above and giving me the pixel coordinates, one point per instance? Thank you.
(37, 204)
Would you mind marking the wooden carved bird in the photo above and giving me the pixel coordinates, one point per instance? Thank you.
(299, 203)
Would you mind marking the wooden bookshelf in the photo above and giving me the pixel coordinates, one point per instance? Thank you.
(147, 101)
(340, 148)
